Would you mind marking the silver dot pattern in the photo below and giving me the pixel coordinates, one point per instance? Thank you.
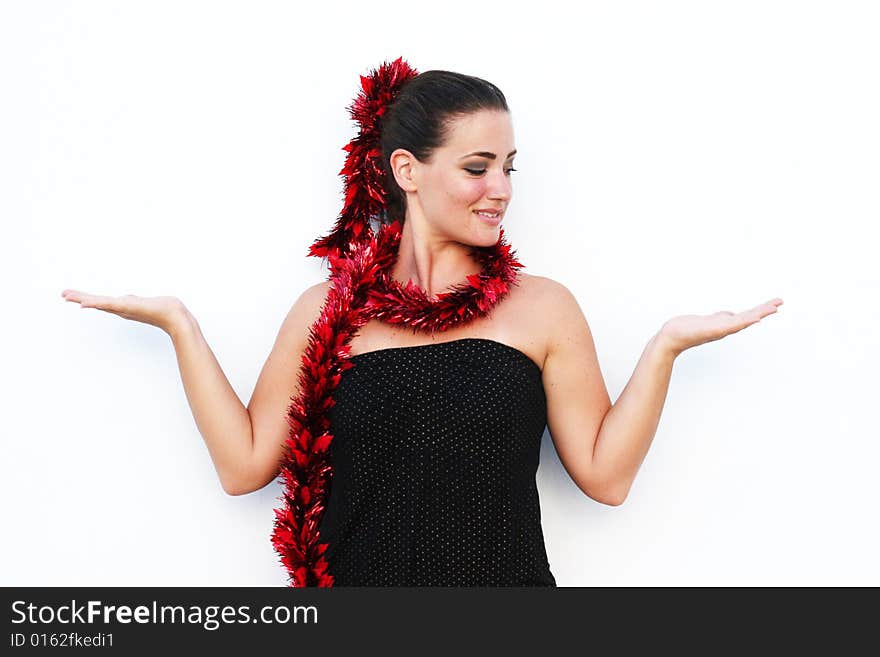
(434, 453)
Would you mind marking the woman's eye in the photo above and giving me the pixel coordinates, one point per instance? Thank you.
(478, 172)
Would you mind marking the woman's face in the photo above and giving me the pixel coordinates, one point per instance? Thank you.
(470, 172)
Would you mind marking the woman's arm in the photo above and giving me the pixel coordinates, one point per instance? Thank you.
(577, 397)
(246, 444)
(602, 446)
(220, 416)
(630, 424)
(277, 385)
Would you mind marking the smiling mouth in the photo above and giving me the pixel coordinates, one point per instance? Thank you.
(493, 221)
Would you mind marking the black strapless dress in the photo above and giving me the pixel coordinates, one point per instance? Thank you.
(434, 452)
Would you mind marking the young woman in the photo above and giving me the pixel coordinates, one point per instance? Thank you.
(426, 472)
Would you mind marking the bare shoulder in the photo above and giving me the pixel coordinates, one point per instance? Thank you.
(538, 286)
(294, 332)
(315, 294)
(307, 306)
(543, 311)
(553, 303)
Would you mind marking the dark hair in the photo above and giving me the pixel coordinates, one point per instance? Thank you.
(420, 117)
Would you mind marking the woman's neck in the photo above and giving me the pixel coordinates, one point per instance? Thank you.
(432, 262)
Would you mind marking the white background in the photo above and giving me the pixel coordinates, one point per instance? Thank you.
(674, 158)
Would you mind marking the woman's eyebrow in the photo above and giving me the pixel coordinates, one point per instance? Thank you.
(491, 156)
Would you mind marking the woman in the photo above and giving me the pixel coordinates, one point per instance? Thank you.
(420, 468)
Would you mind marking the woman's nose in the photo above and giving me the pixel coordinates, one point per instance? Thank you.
(500, 187)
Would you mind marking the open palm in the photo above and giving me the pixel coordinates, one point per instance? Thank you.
(158, 311)
(688, 331)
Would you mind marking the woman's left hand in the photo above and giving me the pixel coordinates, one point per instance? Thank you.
(687, 331)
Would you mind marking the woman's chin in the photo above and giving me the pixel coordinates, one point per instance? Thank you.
(488, 236)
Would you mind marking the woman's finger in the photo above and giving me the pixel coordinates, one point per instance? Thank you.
(74, 296)
(768, 308)
(100, 302)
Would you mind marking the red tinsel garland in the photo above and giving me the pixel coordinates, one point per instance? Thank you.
(361, 289)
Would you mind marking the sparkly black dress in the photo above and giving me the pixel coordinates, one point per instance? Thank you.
(434, 453)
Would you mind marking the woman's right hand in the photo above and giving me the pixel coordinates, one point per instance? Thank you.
(163, 312)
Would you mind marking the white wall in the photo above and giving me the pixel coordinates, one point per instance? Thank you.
(676, 157)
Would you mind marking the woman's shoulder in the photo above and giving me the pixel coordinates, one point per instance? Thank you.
(314, 295)
(319, 289)
(539, 310)
(548, 300)
(539, 287)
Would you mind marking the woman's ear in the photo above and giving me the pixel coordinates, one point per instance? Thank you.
(401, 163)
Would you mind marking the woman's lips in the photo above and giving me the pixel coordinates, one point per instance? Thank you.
(493, 221)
